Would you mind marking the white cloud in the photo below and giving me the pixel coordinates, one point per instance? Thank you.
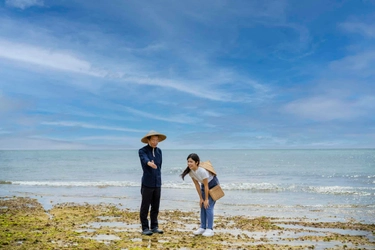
(124, 140)
(212, 113)
(8, 105)
(24, 4)
(61, 60)
(185, 87)
(364, 29)
(89, 126)
(176, 119)
(58, 60)
(4, 131)
(19, 143)
(148, 49)
(361, 64)
(325, 108)
(107, 138)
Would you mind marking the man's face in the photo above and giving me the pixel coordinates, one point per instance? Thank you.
(153, 141)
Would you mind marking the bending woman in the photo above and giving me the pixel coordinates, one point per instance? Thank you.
(204, 178)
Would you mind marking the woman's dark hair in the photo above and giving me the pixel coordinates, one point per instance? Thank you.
(195, 158)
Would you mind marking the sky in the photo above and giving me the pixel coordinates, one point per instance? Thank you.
(213, 74)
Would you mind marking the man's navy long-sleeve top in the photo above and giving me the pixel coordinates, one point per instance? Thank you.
(151, 177)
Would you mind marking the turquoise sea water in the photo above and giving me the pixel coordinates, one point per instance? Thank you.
(324, 184)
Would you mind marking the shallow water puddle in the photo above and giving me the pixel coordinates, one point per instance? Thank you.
(108, 224)
(315, 231)
(85, 230)
(103, 237)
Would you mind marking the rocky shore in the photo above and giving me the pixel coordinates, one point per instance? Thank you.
(25, 224)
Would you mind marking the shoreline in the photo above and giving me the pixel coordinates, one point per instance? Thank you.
(27, 224)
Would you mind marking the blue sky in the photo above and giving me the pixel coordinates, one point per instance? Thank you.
(208, 74)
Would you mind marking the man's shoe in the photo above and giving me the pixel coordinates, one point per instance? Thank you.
(157, 230)
(147, 232)
(208, 233)
(199, 231)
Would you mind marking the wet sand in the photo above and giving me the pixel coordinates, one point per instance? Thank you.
(25, 224)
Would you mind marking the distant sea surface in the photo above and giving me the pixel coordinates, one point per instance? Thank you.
(329, 185)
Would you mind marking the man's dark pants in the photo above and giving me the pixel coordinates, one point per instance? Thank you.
(150, 197)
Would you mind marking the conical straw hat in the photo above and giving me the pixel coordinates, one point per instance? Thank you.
(151, 133)
(208, 166)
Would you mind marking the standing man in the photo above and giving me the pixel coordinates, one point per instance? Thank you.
(151, 160)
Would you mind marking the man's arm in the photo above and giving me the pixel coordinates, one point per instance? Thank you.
(145, 160)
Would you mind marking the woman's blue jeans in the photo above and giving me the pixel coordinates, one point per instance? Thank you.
(207, 215)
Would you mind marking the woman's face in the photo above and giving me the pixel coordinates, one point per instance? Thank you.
(192, 164)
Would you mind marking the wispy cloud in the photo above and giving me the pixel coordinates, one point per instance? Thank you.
(20, 143)
(175, 119)
(327, 108)
(24, 4)
(367, 30)
(149, 48)
(89, 126)
(4, 131)
(361, 64)
(106, 138)
(58, 60)
(10, 105)
(186, 87)
(69, 62)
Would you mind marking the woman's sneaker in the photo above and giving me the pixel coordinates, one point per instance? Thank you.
(208, 233)
(199, 231)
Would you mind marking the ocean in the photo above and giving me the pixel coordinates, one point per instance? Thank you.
(329, 185)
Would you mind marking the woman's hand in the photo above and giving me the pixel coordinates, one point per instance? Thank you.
(206, 204)
(201, 202)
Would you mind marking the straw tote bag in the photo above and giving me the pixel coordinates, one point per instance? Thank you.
(216, 192)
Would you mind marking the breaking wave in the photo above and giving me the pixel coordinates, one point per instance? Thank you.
(251, 187)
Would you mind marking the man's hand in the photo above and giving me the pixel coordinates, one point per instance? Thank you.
(152, 164)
